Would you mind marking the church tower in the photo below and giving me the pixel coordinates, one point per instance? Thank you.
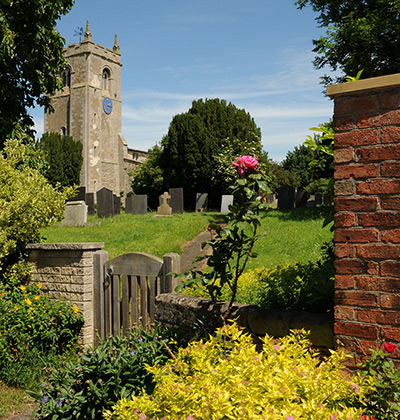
(89, 110)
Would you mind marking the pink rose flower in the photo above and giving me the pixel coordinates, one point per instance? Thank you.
(245, 164)
(390, 347)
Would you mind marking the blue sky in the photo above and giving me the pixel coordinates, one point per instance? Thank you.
(253, 53)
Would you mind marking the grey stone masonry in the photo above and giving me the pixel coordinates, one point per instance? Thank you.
(65, 271)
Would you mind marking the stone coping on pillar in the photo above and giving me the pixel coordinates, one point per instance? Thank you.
(359, 86)
(62, 246)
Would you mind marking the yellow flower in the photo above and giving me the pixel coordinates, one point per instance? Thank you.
(75, 309)
(39, 285)
(23, 288)
(36, 297)
(28, 301)
(16, 308)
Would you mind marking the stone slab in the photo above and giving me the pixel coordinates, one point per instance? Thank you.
(75, 213)
(176, 200)
(226, 201)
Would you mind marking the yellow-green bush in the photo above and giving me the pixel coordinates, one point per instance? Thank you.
(226, 378)
(27, 200)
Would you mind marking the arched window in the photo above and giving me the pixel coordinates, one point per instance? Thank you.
(106, 79)
(66, 77)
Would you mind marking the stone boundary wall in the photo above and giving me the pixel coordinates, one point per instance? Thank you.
(183, 312)
(66, 272)
(367, 219)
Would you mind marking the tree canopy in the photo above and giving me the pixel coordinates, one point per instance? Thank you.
(31, 58)
(198, 150)
(64, 157)
(360, 35)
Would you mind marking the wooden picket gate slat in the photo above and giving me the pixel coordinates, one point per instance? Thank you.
(126, 288)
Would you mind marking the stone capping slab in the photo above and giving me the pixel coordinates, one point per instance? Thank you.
(359, 86)
(62, 246)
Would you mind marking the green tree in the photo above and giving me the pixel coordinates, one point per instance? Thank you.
(298, 161)
(31, 58)
(360, 34)
(64, 157)
(27, 201)
(198, 151)
(148, 177)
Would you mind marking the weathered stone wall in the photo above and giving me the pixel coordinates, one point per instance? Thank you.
(65, 271)
(183, 313)
(367, 206)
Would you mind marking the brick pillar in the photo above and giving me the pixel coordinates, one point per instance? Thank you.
(367, 213)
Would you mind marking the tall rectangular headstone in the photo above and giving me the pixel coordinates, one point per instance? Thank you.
(139, 204)
(117, 204)
(286, 197)
(128, 203)
(90, 203)
(176, 200)
(301, 198)
(226, 201)
(201, 202)
(80, 195)
(105, 203)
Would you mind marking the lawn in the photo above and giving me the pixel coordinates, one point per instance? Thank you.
(288, 236)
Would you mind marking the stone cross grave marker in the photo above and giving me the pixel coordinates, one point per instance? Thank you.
(164, 209)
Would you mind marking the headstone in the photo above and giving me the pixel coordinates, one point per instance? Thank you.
(176, 201)
(90, 203)
(75, 213)
(105, 203)
(128, 203)
(139, 204)
(117, 204)
(269, 198)
(201, 202)
(318, 198)
(164, 209)
(301, 198)
(226, 201)
(80, 195)
(286, 197)
(327, 199)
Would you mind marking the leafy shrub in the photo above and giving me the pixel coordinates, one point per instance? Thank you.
(27, 201)
(113, 370)
(383, 399)
(299, 287)
(226, 378)
(31, 324)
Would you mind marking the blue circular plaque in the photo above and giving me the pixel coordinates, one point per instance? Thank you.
(107, 105)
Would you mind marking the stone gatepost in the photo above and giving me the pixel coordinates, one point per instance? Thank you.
(66, 271)
(367, 219)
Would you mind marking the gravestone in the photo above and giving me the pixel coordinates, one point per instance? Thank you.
(117, 204)
(80, 195)
(176, 200)
(318, 198)
(139, 204)
(164, 209)
(105, 203)
(201, 202)
(75, 213)
(226, 201)
(301, 198)
(327, 199)
(286, 197)
(129, 203)
(89, 200)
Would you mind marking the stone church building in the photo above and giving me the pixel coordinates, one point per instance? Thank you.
(89, 109)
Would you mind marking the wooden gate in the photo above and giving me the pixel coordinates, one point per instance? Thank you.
(125, 288)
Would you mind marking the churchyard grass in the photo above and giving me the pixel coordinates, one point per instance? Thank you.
(290, 236)
(13, 400)
(135, 233)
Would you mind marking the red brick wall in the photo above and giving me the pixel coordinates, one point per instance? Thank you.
(367, 219)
